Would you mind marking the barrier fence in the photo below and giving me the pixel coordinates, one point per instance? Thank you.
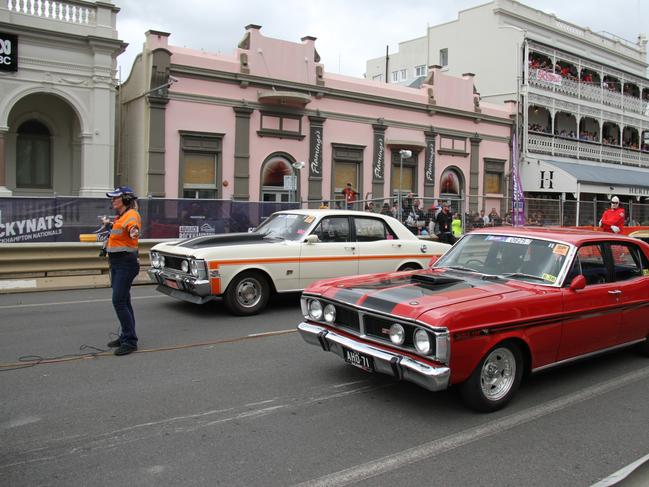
(63, 219)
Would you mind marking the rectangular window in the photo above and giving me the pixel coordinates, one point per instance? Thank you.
(395, 76)
(450, 143)
(420, 70)
(200, 160)
(347, 167)
(443, 57)
(404, 74)
(492, 183)
(494, 176)
(280, 125)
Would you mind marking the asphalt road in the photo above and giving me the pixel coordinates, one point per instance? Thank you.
(212, 399)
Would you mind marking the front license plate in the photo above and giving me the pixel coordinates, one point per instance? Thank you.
(171, 283)
(359, 360)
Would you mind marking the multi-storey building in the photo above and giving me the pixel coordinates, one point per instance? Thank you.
(57, 97)
(583, 98)
(269, 123)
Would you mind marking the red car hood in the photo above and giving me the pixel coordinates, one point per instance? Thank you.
(410, 295)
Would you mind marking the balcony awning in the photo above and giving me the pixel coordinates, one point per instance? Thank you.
(285, 98)
(559, 176)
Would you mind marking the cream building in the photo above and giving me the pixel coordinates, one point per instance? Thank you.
(57, 103)
(584, 96)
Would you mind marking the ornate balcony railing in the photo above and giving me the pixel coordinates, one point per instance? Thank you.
(586, 91)
(62, 11)
(584, 150)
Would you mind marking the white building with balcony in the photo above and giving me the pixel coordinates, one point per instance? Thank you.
(584, 96)
(57, 97)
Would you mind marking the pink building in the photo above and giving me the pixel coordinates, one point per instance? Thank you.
(200, 125)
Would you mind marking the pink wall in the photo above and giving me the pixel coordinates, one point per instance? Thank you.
(211, 110)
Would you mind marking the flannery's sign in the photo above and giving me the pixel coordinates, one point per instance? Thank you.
(8, 52)
(429, 166)
(379, 163)
(316, 151)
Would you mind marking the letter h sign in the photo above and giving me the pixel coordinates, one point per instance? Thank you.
(546, 181)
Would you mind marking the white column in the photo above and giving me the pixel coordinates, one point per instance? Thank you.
(4, 191)
(97, 154)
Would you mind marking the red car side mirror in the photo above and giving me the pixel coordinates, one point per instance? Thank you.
(432, 260)
(579, 282)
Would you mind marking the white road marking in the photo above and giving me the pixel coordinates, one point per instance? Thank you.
(400, 459)
(65, 303)
(621, 474)
(14, 423)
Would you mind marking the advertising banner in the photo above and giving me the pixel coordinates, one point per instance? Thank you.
(65, 219)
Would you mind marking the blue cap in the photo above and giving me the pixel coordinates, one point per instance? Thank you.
(119, 191)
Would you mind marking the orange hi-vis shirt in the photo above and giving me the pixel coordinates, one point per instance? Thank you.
(120, 239)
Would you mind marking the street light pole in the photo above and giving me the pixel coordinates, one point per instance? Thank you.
(297, 165)
(403, 154)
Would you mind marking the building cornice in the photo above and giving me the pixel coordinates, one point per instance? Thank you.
(226, 102)
(313, 90)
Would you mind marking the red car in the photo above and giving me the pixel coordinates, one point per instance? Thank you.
(499, 304)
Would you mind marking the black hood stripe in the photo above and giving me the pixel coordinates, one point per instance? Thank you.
(223, 240)
(386, 294)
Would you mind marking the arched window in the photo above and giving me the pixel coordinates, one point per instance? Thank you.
(33, 156)
(272, 179)
(450, 183)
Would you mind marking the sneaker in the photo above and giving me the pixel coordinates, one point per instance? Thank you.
(114, 344)
(125, 349)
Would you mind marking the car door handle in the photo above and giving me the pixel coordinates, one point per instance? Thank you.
(396, 245)
(350, 248)
(616, 291)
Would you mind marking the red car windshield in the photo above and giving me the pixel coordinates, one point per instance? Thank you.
(508, 256)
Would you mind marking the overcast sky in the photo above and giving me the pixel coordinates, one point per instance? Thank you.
(348, 32)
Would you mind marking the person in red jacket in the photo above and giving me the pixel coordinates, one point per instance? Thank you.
(613, 218)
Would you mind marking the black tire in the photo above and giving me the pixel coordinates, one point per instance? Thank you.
(493, 383)
(409, 267)
(247, 294)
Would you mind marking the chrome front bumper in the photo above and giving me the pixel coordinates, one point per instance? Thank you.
(188, 288)
(433, 378)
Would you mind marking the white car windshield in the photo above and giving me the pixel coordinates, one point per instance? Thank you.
(508, 256)
(285, 226)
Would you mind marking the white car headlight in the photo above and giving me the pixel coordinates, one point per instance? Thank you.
(315, 309)
(330, 313)
(155, 259)
(422, 341)
(397, 334)
(197, 267)
(184, 266)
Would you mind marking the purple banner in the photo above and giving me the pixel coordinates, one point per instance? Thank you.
(518, 197)
(65, 219)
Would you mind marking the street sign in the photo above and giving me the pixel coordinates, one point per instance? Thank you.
(290, 183)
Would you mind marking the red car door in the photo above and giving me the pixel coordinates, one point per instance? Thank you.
(592, 315)
(631, 279)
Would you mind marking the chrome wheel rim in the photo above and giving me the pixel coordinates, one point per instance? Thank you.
(498, 373)
(249, 292)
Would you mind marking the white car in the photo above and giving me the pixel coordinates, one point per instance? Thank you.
(286, 253)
